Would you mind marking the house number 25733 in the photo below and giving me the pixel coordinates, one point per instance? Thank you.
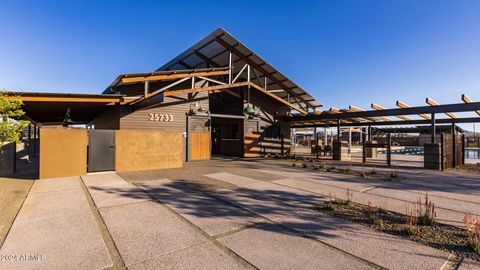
(160, 117)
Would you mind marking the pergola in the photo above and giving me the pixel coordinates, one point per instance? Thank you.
(381, 116)
(356, 117)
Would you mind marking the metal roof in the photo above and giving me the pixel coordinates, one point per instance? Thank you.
(214, 49)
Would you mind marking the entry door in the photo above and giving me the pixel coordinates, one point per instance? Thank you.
(101, 150)
(199, 146)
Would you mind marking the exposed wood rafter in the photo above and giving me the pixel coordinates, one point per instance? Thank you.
(404, 105)
(381, 108)
(466, 99)
(262, 70)
(172, 76)
(432, 102)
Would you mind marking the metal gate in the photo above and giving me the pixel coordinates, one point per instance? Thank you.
(101, 150)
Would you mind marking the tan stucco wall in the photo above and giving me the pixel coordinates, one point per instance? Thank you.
(63, 152)
(138, 150)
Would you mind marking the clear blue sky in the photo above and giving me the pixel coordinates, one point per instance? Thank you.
(342, 52)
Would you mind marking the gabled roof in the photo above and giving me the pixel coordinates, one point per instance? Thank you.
(213, 51)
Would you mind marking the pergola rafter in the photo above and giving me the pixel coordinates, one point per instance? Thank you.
(405, 106)
(432, 102)
(381, 108)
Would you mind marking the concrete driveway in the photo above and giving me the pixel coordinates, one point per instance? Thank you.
(220, 214)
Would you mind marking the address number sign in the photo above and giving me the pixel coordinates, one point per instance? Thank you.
(160, 117)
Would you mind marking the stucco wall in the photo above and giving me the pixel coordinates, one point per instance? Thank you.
(138, 150)
(63, 152)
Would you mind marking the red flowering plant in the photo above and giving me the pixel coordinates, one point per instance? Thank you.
(473, 229)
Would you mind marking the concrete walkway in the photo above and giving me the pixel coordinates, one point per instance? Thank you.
(147, 234)
(55, 229)
(263, 243)
(235, 215)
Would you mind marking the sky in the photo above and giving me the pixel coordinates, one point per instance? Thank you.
(342, 52)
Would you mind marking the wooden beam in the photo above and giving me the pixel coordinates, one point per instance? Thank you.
(432, 102)
(68, 99)
(405, 106)
(335, 110)
(228, 91)
(381, 108)
(475, 119)
(277, 98)
(466, 99)
(457, 107)
(172, 76)
(234, 85)
(357, 109)
(204, 89)
(262, 70)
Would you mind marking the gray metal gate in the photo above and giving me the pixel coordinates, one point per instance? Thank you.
(101, 150)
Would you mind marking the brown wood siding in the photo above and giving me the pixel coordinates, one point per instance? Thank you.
(108, 120)
(257, 142)
(139, 118)
(224, 103)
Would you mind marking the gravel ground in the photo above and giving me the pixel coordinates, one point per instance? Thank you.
(445, 237)
(12, 194)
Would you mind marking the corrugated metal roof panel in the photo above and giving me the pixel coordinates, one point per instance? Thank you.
(210, 47)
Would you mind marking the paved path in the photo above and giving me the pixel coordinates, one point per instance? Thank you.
(147, 234)
(55, 228)
(228, 216)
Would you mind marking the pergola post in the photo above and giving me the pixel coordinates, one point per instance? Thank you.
(338, 129)
(389, 149)
(349, 136)
(361, 134)
(326, 136)
(364, 150)
(316, 142)
(433, 129)
(35, 141)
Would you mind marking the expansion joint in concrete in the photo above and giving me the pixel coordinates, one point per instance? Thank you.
(298, 233)
(115, 256)
(213, 240)
(452, 262)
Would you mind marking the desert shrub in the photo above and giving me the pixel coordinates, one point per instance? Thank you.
(473, 228)
(426, 213)
(349, 196)
(373, 215)
(394, 173)
(410, 222)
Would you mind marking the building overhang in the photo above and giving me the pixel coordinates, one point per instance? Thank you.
(51, 108)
